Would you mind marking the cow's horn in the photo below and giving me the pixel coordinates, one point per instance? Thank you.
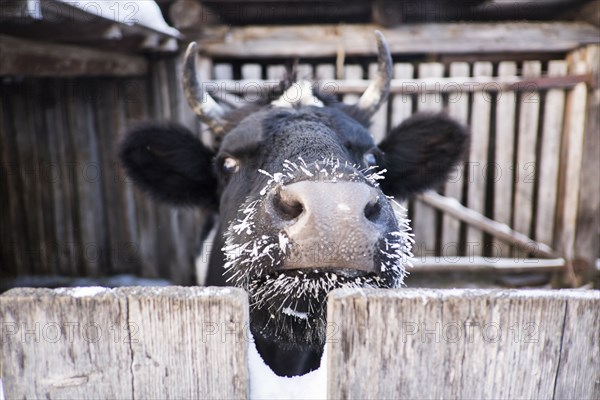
(207, 109)
(378, 91)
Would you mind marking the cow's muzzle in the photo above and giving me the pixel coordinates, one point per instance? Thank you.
(333, 225)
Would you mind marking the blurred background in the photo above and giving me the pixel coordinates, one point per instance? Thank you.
(523, 211)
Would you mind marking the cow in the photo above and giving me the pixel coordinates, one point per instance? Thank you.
(298, 183)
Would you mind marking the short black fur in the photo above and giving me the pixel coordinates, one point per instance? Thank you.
(168, 162)
(420, 153)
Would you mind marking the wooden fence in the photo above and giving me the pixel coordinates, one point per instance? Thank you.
(66, 206)
(528, 90)
(192, 343)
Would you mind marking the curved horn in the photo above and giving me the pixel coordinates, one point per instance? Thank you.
(207, 109)
(378, 91)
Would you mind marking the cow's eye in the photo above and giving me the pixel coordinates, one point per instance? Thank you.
(230, 165)
(369, 159)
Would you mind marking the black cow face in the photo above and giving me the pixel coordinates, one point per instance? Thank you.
(303, 203)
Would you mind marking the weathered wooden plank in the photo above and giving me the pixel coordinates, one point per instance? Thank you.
(35, 58)
(587, 242)
(504, 161)
(442, 38)
(352, 72)
(478, 156)
(412, 343)
(480, 222)
(401, 103)
(578, 374)
(571, 163)
(554, 110)
(90, 239)
(137, 343)
(205, 355)
(458, 108)
(424, 216)
(410, 86)
(65, 344)
(529, 108)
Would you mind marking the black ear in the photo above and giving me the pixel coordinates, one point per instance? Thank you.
(169, 163)
(420, 153)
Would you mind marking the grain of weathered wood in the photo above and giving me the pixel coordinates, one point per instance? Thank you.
(587, 243)
(439, 38)
(132, 343)
(63, 346)
(504, 156)
(571, 162)
(412, 343)
(34, 58)
(194, 347)
(554, 108)
(458, 108)
(529, 105)
(478, 156)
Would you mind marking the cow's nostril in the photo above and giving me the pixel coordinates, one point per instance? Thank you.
(373, 210)
(287, 209)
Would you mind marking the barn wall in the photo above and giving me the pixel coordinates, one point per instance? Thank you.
(66, 206)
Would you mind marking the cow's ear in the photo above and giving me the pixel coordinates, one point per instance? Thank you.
(168, 162)
(421, 152)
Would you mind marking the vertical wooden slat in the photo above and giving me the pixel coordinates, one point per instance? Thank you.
(275, 72)
(352, 72)
(44, 137)
(25, 157)
(206, 328)
(478, 157)
(571, 159)
(458, 108)
(401, 103)
(554, 108)
(87, 181)
(305, 72)
(587, 243)
(378, 127)
(67, 189)
(12, 218)
(504, 164)
(529, 107)
(425, 219)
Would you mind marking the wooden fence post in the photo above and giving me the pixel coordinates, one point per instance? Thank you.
(413, 343)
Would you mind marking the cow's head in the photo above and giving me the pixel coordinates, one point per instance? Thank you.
(298, 182)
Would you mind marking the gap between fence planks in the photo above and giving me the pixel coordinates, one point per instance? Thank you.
(135, 343)
(462, 343)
